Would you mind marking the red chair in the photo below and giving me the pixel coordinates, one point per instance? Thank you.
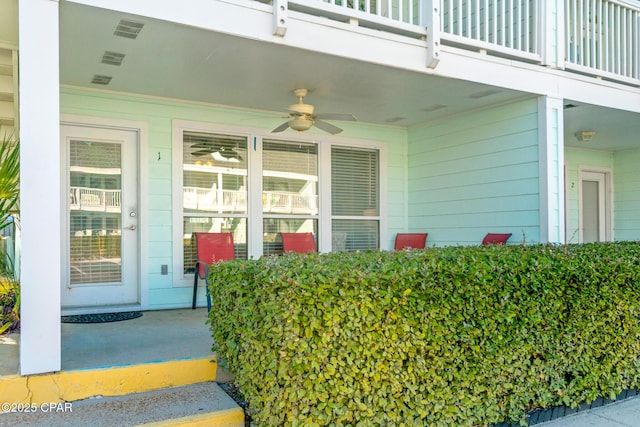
(210, 249)
(496, 238)
(298, 242)
(410, 241)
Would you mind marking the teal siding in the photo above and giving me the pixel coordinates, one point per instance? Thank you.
(158, 114)
(626, 199)
(474, 174)
(576, 158)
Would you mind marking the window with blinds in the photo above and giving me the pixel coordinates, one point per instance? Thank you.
(214, 190)
(355, 192)
(289, 190)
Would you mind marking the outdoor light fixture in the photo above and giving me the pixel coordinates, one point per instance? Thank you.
(585, 135)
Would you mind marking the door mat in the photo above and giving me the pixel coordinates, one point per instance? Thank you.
(101, 317)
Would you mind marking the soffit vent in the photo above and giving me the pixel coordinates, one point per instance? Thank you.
(128, 29)
(112, 58)
(484, 93)
(101, 80)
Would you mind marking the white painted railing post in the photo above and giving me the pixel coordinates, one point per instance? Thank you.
(432, 24)
(280, 17)
(551, 32)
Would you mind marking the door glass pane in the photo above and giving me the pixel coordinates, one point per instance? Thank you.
(95, 219)
(590, 212)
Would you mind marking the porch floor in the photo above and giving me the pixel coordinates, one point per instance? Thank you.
(156, 336)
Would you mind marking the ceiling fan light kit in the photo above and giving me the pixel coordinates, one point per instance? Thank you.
(302, 117)
(300, 124)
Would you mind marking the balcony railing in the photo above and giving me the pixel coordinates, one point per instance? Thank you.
(603, 37)
(596, 37)
(505, 26)
(95, 200)
(221, 201)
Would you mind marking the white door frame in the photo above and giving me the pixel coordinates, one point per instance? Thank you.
(141, 128)
(603, 176)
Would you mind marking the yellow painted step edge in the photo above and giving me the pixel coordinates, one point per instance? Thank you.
(224, 418)
(68, 386)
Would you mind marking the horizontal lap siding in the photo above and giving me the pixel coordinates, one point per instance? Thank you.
(576, 158)
(476, 173)
(626, 198)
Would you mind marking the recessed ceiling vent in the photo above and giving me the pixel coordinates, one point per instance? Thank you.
(484, 93)
(112, 58)
(128, 29)
(101, 80)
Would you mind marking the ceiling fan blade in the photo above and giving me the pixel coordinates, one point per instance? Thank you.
(202, 152)
(282, 127)
(336, 116)
(327, 127)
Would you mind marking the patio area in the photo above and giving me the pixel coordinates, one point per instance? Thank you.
(156, 336)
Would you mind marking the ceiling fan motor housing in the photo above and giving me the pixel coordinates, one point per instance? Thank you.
(301, 109)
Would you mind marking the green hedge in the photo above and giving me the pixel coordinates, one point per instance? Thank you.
(457, 336)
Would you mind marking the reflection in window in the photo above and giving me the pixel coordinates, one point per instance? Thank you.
(95, 212)
(289, 191)
(214, 194)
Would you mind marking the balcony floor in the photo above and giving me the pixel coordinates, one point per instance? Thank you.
(156, 336)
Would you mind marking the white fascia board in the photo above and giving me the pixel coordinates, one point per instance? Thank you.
(535, 79)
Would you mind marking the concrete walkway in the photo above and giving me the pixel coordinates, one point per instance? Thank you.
(622, 413)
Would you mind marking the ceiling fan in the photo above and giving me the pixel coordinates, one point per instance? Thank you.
(225, 149)
(301, 117)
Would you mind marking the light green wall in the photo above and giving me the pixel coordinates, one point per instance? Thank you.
(159, 113)
(626, 199)
(576, 158)
(474, 174)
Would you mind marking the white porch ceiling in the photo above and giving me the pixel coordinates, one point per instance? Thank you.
(175, 61)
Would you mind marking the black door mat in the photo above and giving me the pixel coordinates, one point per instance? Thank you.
(101, 317)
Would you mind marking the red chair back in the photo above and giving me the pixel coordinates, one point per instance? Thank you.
(496, 238)
(410, 241)
(212, 248)
(298, 242)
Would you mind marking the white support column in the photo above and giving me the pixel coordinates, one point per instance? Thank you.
(432, 24)
(551, 27)
(551, 161)
(40, 199)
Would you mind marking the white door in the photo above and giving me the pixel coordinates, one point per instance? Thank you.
(593, 207)
(101, 236)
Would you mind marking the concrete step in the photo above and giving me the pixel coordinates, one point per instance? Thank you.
(202, 404)
(172, 392)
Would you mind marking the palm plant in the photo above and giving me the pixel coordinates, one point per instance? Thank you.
(9, 178)
(9, 195)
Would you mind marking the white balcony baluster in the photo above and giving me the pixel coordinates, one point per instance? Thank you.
(601, 38)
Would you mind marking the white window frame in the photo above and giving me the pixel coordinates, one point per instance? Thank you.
(255, 215)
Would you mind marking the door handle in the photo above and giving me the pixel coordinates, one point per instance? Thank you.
(131, 227)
